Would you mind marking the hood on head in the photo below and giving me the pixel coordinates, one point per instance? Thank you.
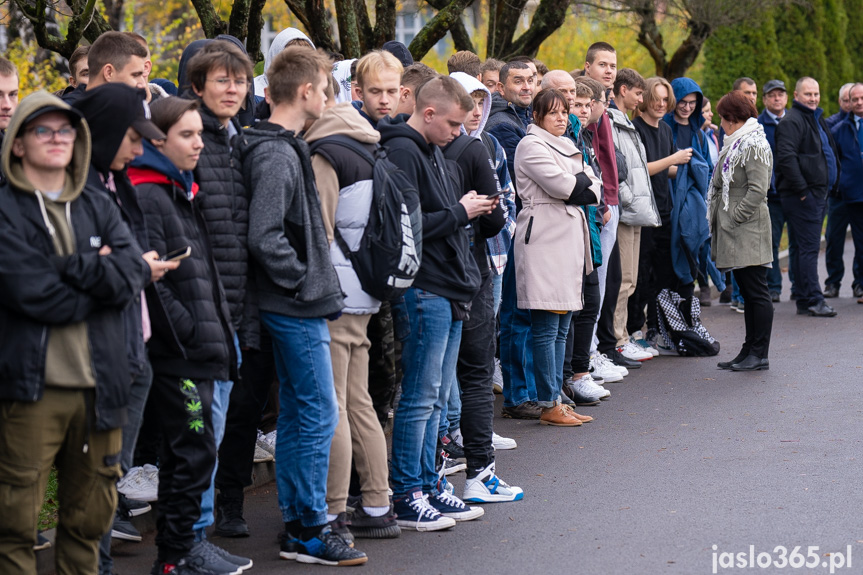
(471, 84)
(342, 119)
(342, 74)
(78, 168)
(279, 44)
(110, 110)
(156, 161)
(183, 83)
(682, 87)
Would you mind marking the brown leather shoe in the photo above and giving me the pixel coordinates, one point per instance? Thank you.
(581, 418)
(526, 410)
(559, 416)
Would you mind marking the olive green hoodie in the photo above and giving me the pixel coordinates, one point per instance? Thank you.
(67, 360)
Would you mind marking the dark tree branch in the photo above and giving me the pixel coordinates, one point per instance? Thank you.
(238, 21)
(549, 16)
(349, 25)
(503, 22)
(437, 27)
(315, 18)
(210, 21)
(385, 21)
(460, 37)
(82, 16)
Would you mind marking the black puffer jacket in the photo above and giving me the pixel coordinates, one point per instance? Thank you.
(224, 203)
(192, 333)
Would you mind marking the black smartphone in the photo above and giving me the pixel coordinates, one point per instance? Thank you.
(177, 255)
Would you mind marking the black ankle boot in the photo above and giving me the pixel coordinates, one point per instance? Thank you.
(727, 364)
(229, 515)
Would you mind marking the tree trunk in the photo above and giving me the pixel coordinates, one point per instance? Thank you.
(385, 22)
(503, 22)
(688, 51)
(316, 19)
(349, 25)
(256, 26)
(460, 37)
(210, 21)
(437, 27)
(549, 16)
(238, 22)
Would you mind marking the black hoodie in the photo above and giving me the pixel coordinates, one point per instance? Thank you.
(448, 268)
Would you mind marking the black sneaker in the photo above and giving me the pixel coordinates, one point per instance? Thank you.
(831, 291)
(341, 525)
(42, 543)
(242, 563)
(131, 507)
(229, 517)
(288, 546)
(186, 566)
(365, 526)
(858, 291)
(451, 466)
(618, 358)
(328, 548)
(123, 529)
(453, 449)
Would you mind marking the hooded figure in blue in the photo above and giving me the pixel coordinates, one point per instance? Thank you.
(683, 87)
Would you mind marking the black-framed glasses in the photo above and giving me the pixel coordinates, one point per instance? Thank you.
(225, 82)
(45, 134)
(688, 103)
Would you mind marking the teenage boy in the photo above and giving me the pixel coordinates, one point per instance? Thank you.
(113, 57)
(655, 267)
(219, 75)
(428, 318)
(472, 391)
(507, 122)
(490, 74)
(378, 77)
(344, 180)
(637, 207)
(79, 68)
(298, 289)
(413, 77)
(8, 96)
(68, 268)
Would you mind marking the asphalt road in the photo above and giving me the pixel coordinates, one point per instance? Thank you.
(682, 458)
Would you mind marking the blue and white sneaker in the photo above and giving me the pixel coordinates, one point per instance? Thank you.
(328, 548)
(414, 512)
(487, 487)
(451, 506)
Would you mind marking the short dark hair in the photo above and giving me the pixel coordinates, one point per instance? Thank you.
(595, 87)
(545, 101)
(598, 47)
(464, 61)
(736, 107)
(416, 75)
(7, 68)
(541, 68)
(514, 64)
(79, 54)
(165, 112)
(740, 81)
(218, 54)
(137, 38)
(442, 91)
(293, 67)
(115, 48)
(629, 78)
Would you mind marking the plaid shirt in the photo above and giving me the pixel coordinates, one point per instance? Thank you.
(498, 246)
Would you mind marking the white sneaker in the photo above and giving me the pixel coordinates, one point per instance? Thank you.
(137, 484)
(262, 455)
(489, 488)
(602, 367)
(634, 352)
(585, 388)
(457, 437)
(502, 443)
(595, 387)
(497, 378)
(638, 339)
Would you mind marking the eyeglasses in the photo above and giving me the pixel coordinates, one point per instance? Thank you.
(687, 103)
(224, 83)
(45, 134)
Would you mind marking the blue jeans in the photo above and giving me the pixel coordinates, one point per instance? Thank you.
(549, 346)
(451, 416)
(308, 415)
(735, 290)
(839, 217)
(497, 286)
(430, 338)
(516, 343)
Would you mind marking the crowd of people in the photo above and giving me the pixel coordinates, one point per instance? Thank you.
(227, 269)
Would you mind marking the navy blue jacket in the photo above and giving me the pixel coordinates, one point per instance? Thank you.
(507, 122)
(800, 162)
(851, 174)
(769, 124)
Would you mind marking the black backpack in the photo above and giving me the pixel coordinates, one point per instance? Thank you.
(388, 258)
(681, 328)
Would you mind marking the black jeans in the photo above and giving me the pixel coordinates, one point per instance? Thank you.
(605, 323)
(475, 369)
(577, 356)
(757, 309)
(383, 363)
(664, 277)
(187, 458)
(804, 217)
(248, 399)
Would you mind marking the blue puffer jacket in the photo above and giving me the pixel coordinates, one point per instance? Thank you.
(689, 229)
(850, 159)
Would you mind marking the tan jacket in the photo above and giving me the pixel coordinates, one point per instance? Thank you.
(552, 243)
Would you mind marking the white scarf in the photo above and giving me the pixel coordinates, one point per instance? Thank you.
(736, 149)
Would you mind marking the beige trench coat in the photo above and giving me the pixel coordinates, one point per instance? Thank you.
(552, 242)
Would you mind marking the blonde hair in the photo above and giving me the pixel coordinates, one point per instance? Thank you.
(375, 62)
(650, 86)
